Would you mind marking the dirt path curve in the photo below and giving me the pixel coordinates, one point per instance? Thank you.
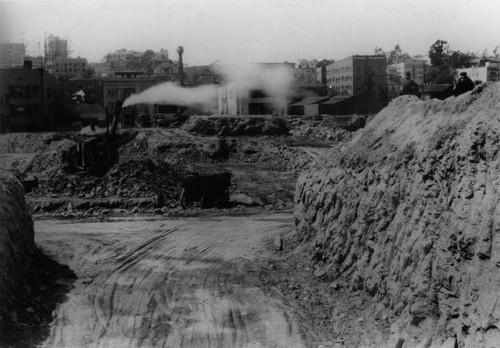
(168, 283)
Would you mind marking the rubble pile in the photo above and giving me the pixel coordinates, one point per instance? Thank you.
(407, 212)
(316, 131)
(132, 179)
(56, 159)
(236, 125)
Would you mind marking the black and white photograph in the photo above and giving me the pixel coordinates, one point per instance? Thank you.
(250, 173)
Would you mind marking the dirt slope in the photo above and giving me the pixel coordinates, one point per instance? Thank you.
(17, 244)
(28, 289)
(408, 213)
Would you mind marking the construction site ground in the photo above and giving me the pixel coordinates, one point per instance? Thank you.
(155, 275)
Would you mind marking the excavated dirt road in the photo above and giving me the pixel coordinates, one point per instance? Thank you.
(190, 282)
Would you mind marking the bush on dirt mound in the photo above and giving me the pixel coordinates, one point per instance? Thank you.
(408, 212)
(236, 125)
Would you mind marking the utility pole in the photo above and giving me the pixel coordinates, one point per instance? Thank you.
(180, 51)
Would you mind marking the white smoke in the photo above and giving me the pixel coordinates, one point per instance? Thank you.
(274, 79)
(170, 93)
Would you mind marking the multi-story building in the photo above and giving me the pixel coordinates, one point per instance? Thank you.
(415, 66)
(358, 74)
(489, 71)
(12, 54)
(25, 95)
(161, 56)
(116, 90)
(69, 66)
(56, 48)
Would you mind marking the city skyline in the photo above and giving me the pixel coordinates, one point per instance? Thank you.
(251, 31)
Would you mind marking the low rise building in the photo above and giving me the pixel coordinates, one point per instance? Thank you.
(490, 71)
(69, 66)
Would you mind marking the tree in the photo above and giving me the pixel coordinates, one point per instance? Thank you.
(457, 59)
(440, 74)
(379, 51)
(485, 54)
(393, 57)
(147, 61)
(496, 52)
(438, 53)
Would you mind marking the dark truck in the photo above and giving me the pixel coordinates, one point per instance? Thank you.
(207, 190)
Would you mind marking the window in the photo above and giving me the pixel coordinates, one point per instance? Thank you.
(27, 90)
(18, 92)
(36, 108)
(35, 90)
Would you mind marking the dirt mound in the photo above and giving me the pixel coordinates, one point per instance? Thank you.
(17, 244)
(28, 292)
(407, 213)
(236, 125)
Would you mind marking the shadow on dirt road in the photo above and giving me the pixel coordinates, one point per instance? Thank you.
(26, 318)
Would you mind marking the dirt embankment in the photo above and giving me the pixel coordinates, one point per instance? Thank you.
(407, 213)
(28, 292)
(17, 245)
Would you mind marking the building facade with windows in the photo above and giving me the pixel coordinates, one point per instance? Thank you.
(117, 90)
(12, 54)
(415, 66)
(56, 48)
(25, 95)
(490, 71)
(358, 74)
(69, 66)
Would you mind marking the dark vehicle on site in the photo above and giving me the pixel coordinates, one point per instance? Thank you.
(29, 183)
(207, 190)
(143, 120)
(164, 120)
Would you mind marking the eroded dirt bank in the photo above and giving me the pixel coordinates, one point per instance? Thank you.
(169, 283)
(28, 279)
(407, 213)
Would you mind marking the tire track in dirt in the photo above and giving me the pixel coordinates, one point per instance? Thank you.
(177, 283)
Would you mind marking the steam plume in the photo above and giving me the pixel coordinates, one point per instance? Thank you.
(274, 79)
(170, 93)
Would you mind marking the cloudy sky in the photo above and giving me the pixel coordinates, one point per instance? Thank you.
(242, 31)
